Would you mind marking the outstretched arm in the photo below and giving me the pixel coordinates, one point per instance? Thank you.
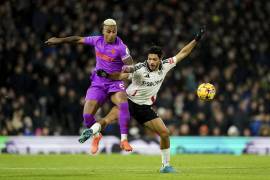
(185, 51)
(70, 39)
(188, 48)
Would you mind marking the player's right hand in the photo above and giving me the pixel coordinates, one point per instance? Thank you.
(52, 41)
(102, 73)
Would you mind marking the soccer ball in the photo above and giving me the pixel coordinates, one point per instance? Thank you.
(206, 91)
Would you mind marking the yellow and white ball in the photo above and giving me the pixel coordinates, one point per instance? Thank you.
(206, 91)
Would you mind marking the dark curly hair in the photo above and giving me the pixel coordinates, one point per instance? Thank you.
(156, 50)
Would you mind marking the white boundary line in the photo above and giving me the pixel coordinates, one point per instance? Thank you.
(71, 168)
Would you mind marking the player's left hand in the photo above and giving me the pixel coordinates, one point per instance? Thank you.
(102, 73)
(52, 41)
(200, 33)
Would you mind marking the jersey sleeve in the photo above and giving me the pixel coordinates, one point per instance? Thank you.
(90, 40)
(138, 66)
(134, 75)
(124, 52)
(169, 63)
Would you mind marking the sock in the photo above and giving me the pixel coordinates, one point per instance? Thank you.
(88, 120)
(123, 137)
(124, 118)
(96, 128)
(165, 156)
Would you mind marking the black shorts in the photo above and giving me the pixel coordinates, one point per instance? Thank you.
(142, 113)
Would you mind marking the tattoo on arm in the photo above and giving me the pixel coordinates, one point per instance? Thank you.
(128, 61)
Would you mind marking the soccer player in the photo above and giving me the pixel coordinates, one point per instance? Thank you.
(111, 55)
(147, 78)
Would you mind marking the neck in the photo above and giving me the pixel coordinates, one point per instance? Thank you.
(108, 42)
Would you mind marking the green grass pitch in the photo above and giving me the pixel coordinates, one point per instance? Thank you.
(129, 167)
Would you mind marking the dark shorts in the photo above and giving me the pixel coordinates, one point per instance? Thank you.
(142, 113)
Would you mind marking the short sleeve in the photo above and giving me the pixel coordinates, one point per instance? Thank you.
(169, 63)
(124, 52)
(138, 66)
(90, 40)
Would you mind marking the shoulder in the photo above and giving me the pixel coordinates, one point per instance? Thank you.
(94, 37)
(168, 64)
(120, 44)
(119, 41)
(170, 60)
(99, 38)
(139, 66)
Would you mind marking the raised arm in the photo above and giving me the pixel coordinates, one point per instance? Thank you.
(70, 39)
(185, 51)
(188, 48)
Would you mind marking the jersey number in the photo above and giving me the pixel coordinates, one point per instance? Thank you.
(122, 86)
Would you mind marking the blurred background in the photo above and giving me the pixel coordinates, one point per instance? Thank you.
(42, 88)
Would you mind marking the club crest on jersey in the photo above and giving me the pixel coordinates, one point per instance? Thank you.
(113, 51)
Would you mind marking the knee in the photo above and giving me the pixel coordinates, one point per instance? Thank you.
(164, 133)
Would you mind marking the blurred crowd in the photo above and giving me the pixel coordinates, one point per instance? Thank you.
(42, 88)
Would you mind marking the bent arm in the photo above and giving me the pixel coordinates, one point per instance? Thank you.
(119, 76)
(70, 39)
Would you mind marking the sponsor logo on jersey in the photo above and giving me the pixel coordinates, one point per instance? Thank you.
(104, 56)
(145, 83)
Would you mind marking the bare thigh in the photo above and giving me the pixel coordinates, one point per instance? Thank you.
(156, 125)
(90, 107)
(119, 97)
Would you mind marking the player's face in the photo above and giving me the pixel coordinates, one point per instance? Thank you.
(153, 61)
(109, 33)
